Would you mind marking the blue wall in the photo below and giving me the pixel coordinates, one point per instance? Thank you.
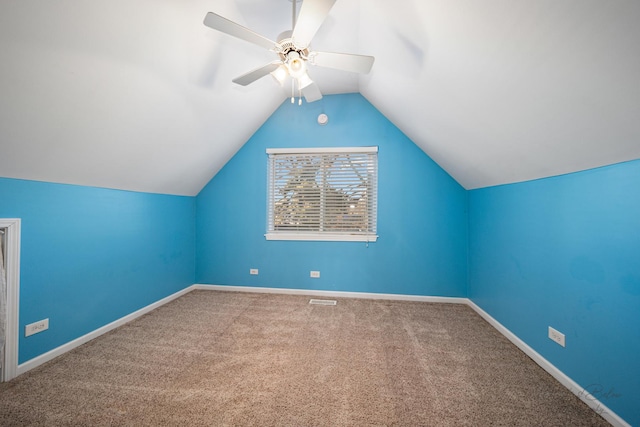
(422, 219)
(565, 252)
(90, 256)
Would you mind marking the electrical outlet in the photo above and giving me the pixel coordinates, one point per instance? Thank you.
(34, 328)
(556, 336)
(315, 274)
(253, 271)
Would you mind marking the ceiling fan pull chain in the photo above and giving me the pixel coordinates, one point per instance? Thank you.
(293, 90)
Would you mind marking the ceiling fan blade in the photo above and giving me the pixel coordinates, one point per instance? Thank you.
(220, 23)
(343, 61)
(312, 15)
(312, 92)
(256, 74)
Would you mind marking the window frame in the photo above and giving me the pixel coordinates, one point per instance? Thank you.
(368, 236)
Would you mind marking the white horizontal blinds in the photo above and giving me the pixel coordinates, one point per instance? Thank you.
(323, 191)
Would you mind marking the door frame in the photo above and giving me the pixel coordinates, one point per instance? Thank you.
(12, 236)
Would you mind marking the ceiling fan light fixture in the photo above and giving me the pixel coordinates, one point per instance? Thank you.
(296, 65)
(280, 74)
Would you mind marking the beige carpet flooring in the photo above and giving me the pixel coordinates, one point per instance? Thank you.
(222, 358)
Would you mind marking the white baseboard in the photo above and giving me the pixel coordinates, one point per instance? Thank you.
(575, 388)
(43, 358)
(332, 294)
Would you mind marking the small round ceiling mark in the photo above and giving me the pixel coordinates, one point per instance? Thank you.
(323, 119)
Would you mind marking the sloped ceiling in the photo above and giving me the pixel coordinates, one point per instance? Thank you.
(138, 95)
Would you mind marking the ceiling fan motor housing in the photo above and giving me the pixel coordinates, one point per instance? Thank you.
(286, 45)
(292, 56)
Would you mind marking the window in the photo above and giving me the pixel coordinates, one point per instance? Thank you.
(322, 194)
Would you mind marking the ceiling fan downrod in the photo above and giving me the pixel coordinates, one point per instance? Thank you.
(293, 15)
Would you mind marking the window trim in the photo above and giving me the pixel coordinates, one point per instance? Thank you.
(319, 235)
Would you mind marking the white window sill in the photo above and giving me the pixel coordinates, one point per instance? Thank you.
(322, 237)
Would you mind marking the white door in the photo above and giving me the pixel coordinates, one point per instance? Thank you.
(9, 296)
(3, 300)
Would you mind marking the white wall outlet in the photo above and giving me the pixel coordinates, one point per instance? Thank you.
(556, 336)
(315, 274)
(34, 328)
(253, 271)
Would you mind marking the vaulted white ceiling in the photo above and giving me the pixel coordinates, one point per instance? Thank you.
(137, 95)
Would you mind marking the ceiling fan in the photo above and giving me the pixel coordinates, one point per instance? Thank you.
(292, 48)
